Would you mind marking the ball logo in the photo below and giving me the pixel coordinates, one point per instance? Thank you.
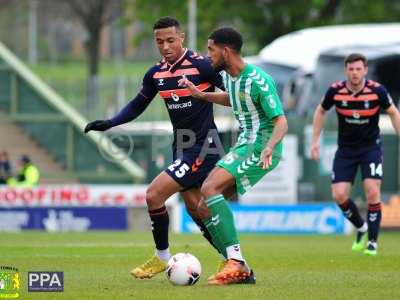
(45, 281)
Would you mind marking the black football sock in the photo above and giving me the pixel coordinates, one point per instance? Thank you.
(374, 216)
(159, 223)
(351, 212)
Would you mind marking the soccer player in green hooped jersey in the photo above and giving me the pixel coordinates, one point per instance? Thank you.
(256, 105)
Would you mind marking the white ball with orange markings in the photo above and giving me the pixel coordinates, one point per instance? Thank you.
(183, 269)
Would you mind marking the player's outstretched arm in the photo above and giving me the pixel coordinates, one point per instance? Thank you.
(280, 129)
(318, 124)
(394, 115)
(131, 111)
(221, 98)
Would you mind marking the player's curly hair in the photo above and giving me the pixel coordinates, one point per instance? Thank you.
(166, 22)
(229, 37)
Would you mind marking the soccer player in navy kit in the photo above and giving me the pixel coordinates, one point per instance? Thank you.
(358, 102)
(193, 125)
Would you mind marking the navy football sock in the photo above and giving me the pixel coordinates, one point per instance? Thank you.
(351, 212)
(159, 223)
(374, 216)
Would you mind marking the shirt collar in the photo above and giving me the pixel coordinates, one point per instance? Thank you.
(172, 67)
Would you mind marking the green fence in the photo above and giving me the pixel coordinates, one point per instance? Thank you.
(55, 125)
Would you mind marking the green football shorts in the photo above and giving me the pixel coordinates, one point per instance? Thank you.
(243, 163)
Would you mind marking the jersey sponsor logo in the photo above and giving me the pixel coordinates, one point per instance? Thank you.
(366, 104)
(175, 97)
(357, 113)
(183, 92)
(179, 105)
(357, 121)
(344, 104)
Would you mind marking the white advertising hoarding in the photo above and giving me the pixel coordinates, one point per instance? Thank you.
(280, 185)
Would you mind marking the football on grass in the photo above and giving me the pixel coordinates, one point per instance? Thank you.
(183, 269)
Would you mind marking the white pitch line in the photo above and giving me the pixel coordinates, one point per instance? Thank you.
(99, 245)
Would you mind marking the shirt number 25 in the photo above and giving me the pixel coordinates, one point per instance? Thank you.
(179, 168)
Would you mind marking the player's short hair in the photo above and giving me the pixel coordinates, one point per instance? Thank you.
(166, 22)
(229, 37)
(353, 57)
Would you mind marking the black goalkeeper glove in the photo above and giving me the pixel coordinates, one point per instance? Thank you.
(98, 125)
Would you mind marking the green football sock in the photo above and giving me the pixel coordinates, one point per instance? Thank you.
(216, 239)
(222, 219)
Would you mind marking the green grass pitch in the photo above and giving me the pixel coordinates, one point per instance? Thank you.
(96, 265)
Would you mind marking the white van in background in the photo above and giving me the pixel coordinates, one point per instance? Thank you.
(383, 67)
(292, 59)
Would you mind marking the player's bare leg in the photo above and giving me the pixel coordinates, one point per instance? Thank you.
(372, 189)
(341, 194)
(161, 188)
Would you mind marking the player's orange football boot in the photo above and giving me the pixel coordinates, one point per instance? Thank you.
(234, 272)
(220, 268)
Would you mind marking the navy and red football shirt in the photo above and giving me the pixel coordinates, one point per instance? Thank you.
(185, 111)
(358, 113)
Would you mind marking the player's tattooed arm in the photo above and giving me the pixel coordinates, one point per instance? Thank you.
(221, 98)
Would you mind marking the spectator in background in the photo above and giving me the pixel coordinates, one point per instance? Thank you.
(5, 167)
(28, 176)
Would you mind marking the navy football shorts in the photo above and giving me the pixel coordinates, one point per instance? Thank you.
(347, 160)
(189, 170)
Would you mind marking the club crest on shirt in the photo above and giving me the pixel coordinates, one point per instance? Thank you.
(366, 104)
(242, 96)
